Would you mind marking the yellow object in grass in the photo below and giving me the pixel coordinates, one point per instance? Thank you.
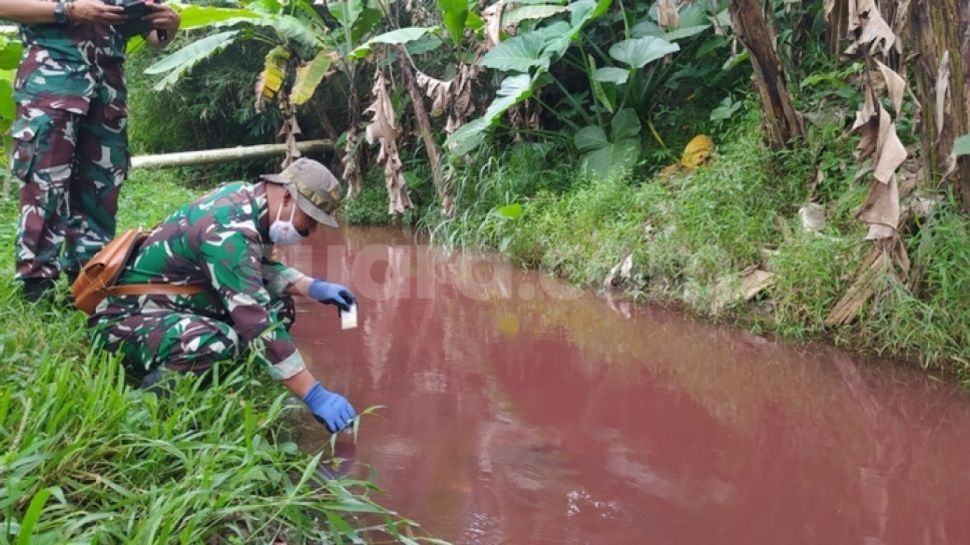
(697, 152)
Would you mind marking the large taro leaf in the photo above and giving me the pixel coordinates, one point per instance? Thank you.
(693, 15)
(582, 12)
(184, 59)
(639, 52)
(519, 54)
(646, 28)
(692, 19)
(649, 28)
(602, 155)
(683, 33)
(541, 46)
(524, 13)
(537, 48)
(611, 74)
(514, 90)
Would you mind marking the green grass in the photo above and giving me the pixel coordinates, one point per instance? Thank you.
(367, 208)
(84, 458)
(690, 232)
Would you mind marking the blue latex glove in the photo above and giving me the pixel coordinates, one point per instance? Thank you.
(330, 409)
(332, 294)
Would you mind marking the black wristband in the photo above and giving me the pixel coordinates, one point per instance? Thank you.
(61, 16)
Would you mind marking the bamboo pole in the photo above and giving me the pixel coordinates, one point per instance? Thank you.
(224, 155)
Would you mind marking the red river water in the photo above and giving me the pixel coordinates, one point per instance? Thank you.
(520, 410)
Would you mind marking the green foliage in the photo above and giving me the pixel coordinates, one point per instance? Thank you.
(526, 51)
(346, 11)
(640, 52)
(394, 37)
(602, 155)
(812, 273)
(176, 64)
(725, 110)
(527, 58)
(931, 321)
(487, 187)
(454, 13)
(10, 52)
(296, 26)
(367, 208)
(514, 90)
(526, 12)
(211, 107)
(559, 52)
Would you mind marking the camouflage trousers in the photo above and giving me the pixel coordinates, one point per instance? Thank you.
(71, 167)
(183, 342)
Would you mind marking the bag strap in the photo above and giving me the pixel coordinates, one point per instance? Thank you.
(156, 289)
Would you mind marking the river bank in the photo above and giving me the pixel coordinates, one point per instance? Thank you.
(687, 238)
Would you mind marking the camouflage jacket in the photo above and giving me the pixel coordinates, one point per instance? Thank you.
(64, 67)
(220, 241)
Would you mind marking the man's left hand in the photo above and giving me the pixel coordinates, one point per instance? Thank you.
(332, 294)
(163, 17)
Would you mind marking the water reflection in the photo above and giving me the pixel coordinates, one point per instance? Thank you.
(520, 410)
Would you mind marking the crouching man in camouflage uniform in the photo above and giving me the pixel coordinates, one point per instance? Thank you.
(223, 243)
(70, 148)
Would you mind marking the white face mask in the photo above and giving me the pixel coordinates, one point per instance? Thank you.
(284, 233)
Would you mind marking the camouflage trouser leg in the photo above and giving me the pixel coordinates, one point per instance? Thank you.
(43, 158)
(102, 166)
(71, 167)
(178, 341)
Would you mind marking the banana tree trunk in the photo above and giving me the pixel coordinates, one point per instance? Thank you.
(782, 121)
(837, 14)
(427, 134)
(939, 31)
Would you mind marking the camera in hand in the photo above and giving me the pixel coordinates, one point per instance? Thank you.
(134, 11)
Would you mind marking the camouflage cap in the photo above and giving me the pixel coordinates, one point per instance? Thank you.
(315, 189)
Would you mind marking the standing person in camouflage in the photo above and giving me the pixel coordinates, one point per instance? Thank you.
(223, 242)
(70, 147)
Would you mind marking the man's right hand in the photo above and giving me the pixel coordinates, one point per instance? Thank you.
(330, 409)
(332, 294)
(96, 12)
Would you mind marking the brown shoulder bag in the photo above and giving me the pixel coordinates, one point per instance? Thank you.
(97, 278)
